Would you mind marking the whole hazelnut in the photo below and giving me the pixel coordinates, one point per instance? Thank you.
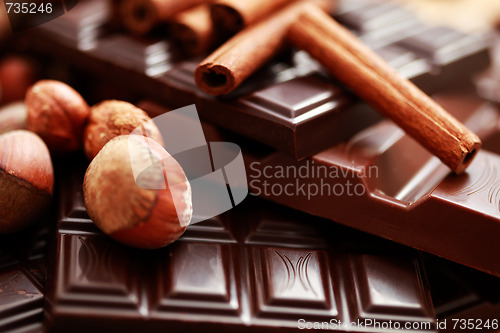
(17, 74)
(137, 193)
(26, 179)
(112, 118)
(58, 114)
(12, 117)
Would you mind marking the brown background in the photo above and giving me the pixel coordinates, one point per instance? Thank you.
(465, 15)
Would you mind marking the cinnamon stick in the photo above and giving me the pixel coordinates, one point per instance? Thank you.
(193, 30)
(369, 76)
(228, 66)
(232, 16)
(141, 16)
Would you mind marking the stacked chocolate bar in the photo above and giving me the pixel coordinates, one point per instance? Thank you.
(23, 268)
(263, 266)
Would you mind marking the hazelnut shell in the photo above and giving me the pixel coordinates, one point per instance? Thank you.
(112, 118)
(13, 117)
(57, 113)
(26, 180)
(151, 216)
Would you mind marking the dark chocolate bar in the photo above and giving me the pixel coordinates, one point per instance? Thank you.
(259, 266)
(22, 279)
(290, 104)
(464, 299)
(81, 27)
(383, 182)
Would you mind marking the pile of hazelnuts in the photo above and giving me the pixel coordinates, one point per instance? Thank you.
(57, 120)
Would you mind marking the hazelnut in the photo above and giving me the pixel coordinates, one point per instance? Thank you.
(16, 76)
(133, 200)
(58, 114)
(112, 118)
(26, 179)
(12, 117)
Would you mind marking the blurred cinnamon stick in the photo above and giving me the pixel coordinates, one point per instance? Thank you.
(141, 16)
(193, 30)
(232, 16)
(227, 67)
(370, 77)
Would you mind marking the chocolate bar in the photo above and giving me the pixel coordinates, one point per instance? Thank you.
(460, 294)
(259, 266)
(375, 22)
(290, 104)
(81, 27)
(22, 279)
(384, 183)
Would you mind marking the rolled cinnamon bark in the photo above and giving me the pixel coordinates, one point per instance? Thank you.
(141, 16)
(228, 66)
(232, 16)
(370, 77)
(193, 30)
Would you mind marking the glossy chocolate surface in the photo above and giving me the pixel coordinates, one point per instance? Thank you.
(81, 27)
(290, 104)
(22, 279)
(259, 266)
(384, 183)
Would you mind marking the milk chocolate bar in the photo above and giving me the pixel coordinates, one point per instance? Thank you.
(291, 104)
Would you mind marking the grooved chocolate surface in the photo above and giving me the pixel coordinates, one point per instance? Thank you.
(290, 104)
(259, 266)
(80, 27)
